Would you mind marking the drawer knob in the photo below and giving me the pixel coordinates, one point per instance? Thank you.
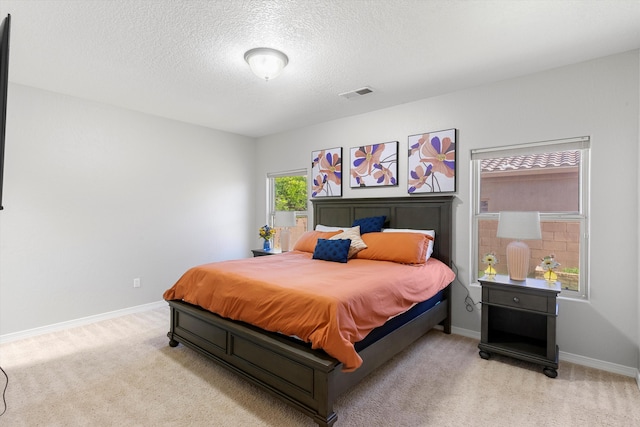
(516, 299)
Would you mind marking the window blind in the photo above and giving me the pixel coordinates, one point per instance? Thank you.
(531, 148)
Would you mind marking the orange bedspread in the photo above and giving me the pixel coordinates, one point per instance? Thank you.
(331, 305)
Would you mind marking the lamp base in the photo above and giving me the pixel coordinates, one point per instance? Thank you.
(518, 255)
(285, 237)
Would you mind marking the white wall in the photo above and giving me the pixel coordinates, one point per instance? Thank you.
(638, 233)
(95, 196)
(599, 99)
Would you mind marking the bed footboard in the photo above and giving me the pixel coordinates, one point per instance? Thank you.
(309, 380)
(295, 374)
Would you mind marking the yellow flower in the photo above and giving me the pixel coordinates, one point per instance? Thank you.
(549, 263)
(490, 259)
(266, 232)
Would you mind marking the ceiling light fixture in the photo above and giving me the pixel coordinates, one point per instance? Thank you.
(265, 62)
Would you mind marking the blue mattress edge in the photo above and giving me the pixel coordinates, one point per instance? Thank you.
(399, 320)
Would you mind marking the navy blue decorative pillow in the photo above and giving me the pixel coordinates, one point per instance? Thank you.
(372, 224)
(332, 250)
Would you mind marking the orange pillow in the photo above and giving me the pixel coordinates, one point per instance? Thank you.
(403, 248)
(307, 242)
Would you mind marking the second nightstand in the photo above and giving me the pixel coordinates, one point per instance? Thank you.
(262, 252)
(519, 320)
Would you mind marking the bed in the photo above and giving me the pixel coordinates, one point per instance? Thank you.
(309, 379)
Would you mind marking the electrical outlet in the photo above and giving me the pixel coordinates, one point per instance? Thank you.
(136, 282)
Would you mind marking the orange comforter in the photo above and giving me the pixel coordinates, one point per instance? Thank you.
(331, 305)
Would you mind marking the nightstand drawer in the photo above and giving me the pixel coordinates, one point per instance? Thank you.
(517, 300)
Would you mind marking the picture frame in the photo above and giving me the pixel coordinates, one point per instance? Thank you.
(326, 173)
(374, 165)
(432, 162)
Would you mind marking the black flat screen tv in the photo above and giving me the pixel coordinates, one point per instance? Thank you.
(5, 28)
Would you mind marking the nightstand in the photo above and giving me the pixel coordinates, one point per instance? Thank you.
(262, 252)
(519, 320)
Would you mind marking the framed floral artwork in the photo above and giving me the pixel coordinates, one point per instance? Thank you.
(326, 173)
(432, 162)
(374, 165)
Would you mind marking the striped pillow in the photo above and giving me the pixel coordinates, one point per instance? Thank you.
(357, 244)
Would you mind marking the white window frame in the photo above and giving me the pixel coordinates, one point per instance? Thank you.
(271, 192)
(583, 145)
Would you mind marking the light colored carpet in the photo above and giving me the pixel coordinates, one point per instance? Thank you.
(122, 372)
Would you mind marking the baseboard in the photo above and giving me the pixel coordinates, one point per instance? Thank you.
(466, 333)
(572, 358)
(599, 364)
(79, 322)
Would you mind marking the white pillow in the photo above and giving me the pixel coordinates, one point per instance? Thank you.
(353, 233)
(321, 227)
(431, 233)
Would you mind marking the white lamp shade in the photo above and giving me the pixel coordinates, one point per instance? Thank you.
(265, 62)
(519, 225)
(285, 219)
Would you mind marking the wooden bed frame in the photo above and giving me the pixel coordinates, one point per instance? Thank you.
(310, 380)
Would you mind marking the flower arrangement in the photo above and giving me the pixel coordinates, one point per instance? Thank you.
(490, 260)
(267, 232)
(548, 264)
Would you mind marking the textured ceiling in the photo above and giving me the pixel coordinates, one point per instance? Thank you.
(184, 59)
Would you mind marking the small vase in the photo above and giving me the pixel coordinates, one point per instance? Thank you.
(550, 276)
(266, 245)
(490, 271)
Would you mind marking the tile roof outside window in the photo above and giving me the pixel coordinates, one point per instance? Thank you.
(533, 161)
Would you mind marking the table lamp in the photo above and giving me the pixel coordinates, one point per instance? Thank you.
(284, 220)
(519, 226)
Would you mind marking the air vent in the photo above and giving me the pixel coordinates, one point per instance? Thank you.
(356, 93)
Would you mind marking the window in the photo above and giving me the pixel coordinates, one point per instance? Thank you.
(288, 192)
(550, 177)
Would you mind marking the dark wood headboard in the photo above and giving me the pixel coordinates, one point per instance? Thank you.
(423, 213)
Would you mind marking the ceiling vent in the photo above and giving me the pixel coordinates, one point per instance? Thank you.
(356, 93)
